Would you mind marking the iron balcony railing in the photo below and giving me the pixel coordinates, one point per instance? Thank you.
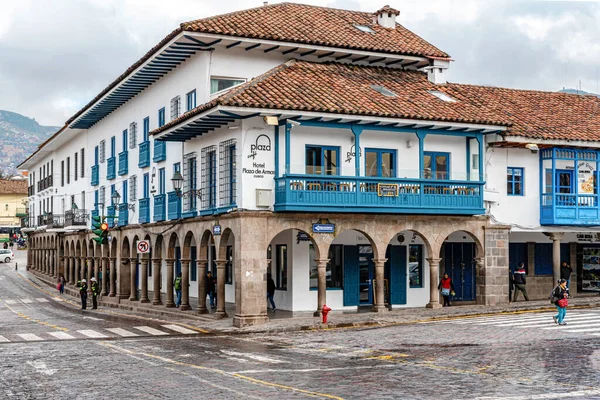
(78, 217)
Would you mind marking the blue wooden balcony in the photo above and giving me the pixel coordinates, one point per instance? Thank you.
(144, 160)
(95, 175)
(160, 207)
(123, 163)
(160, 151)
(111, 168)
(174, 206)
(569, 209)
(378, 195)
(123, 214)
(144, 211)
(111, 212)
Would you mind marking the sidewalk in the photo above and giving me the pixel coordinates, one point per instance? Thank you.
(287, 321)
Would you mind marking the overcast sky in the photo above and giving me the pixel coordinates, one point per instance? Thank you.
(55, 55)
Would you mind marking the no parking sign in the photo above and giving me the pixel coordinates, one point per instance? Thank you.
(143, 246)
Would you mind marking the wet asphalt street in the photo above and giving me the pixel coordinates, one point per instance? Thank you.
(49, 349)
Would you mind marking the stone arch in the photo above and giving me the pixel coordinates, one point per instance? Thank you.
(206, 241)
(157, 247)
(134, 241)
(124, 275)
(188, 242)
(479, 250)
(173, 242)
(378, 251)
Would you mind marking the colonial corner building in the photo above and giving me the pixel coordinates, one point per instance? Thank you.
(325, 147)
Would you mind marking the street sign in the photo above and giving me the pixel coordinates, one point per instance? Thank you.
(323, 228)
(143, 247)
(216, 230)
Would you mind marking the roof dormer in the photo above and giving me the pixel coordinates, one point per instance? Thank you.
(386, 17)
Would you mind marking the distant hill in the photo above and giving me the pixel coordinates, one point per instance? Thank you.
(19, 137)
(575, 91)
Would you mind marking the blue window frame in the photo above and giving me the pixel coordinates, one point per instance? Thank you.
(161, 181)
(146, 128)
(563, 181)
(232, 190)
(322, 160)
(124, 198)
(96, 155)
(112, 190)
(146, 185)
(514, 181)
(113, 146)
(191, 100)
(125, 140)
(436, 165)
(176, 167)
(212, 179)
(380, 163)
(161, 117)
(96, 197)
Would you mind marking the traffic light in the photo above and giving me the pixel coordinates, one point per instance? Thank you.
(100, 229)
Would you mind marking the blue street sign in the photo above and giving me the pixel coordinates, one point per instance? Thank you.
(323, 228)
(216, 230)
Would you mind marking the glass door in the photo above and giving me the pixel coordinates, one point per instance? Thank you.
(367, 272)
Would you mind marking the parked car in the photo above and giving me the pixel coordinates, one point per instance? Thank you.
(6, 255)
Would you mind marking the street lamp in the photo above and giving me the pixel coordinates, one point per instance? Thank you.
(177, 181)
(116, 198)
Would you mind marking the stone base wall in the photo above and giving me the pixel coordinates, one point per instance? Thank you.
(538, 288)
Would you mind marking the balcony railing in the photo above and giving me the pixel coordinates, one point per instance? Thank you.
(569, 209)
(44, 220)
(160, 207)
(111, 168)
(160, 151)
(28, 222)
(144, 160)
(174, 205)
(123, 214)
(21, 212)
(144, 217)
(123, 163)
(365, 194)
(77, 217)
(45, 183)
(95, 175)
(30, 190)
(58, 221)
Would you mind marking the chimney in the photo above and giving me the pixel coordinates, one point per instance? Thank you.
(435, 72)
(386, 17)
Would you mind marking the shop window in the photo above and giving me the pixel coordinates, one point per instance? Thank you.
(514, 181)
(334, 272)
(322, 160)
(380, 163)
(415, 265)
(281, 267)
(436, 165)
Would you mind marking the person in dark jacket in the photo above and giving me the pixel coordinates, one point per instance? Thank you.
(83, 293)
(95, 292)
(271, 290)
(447, 289)
(211, 289)
(511, 285)
(561, 292)
(565, 273)
(520, 281)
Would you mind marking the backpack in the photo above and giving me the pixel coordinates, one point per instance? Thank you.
(553, 298)
(178, 284)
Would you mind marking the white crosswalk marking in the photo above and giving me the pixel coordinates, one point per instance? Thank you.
(92, 334)
(57, 299)
(26, 301)
(42, 300)
(11, 302)
(29, 336)
(122, 332)
(61, 335)
(179, 329)
(150, 330)
(3, 339)
(589, 329)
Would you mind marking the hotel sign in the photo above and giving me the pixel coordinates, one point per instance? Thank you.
(387, 189)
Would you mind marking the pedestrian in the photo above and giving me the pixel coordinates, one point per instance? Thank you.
(211, 289)
(5, 245)
(561, 294)
(11, 244)
(447, 289)
(271, 290)
(95, 293)
(565, 273)
(511, 284)
(520, 281)
(61, 283)
(177, 285)
(83, 292)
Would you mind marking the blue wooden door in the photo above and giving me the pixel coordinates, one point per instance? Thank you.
(460, 266)
(396, 273)
(177, 260)
(517, 253)
(351, 276)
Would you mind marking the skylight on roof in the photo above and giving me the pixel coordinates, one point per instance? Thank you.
(442, 96)
(364, 28)
(383, 91)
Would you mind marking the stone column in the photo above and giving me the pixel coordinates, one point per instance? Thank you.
(61, 266)
(202, 286)
(83, 270)
(105, 281)
(556, 261)
(156, 262)
(144, 280)
(53, 263)
(321, 285)
(113, 278)
(132, 286)
(185, 285)
(77, 269)
(44, 262)
(573, 264)
(480, 281)
(90, 273)
(221, 313)
(170, 273)
(97, 267)
(434, 277)
(496, 264)
(380, 286)
(73, 269)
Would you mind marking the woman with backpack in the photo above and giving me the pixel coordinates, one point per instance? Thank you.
(560, 295)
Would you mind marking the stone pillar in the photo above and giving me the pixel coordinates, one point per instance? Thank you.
(113, 278)
(573, 264)
(221, 313)
(170, 273)
(97, 268)
(45, 261)
(132, 286)
(480, 281)
(321, 285)
(496, 264)
(156, 262)
(434, 277)
(556, 261)
(144, 280)
(380, 286)
(53, 263)
(61, 266)
(105, 281)
(530, 262)
(73, 269)
(202, 286)
(90, 272)
(77, 269)
(185, 285)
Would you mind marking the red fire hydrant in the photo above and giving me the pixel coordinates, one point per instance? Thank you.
(324, 311)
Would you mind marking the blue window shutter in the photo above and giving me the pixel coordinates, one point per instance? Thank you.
(146, 185)
(397, 283)
(351, 276)
(96, 155)
(124, 191)
(543, 258)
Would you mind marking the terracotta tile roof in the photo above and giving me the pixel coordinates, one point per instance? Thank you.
(387, 9)
(299, 23)
(334, 88)
(13, 187)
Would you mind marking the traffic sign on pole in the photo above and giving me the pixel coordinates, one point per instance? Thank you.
(143, 246)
